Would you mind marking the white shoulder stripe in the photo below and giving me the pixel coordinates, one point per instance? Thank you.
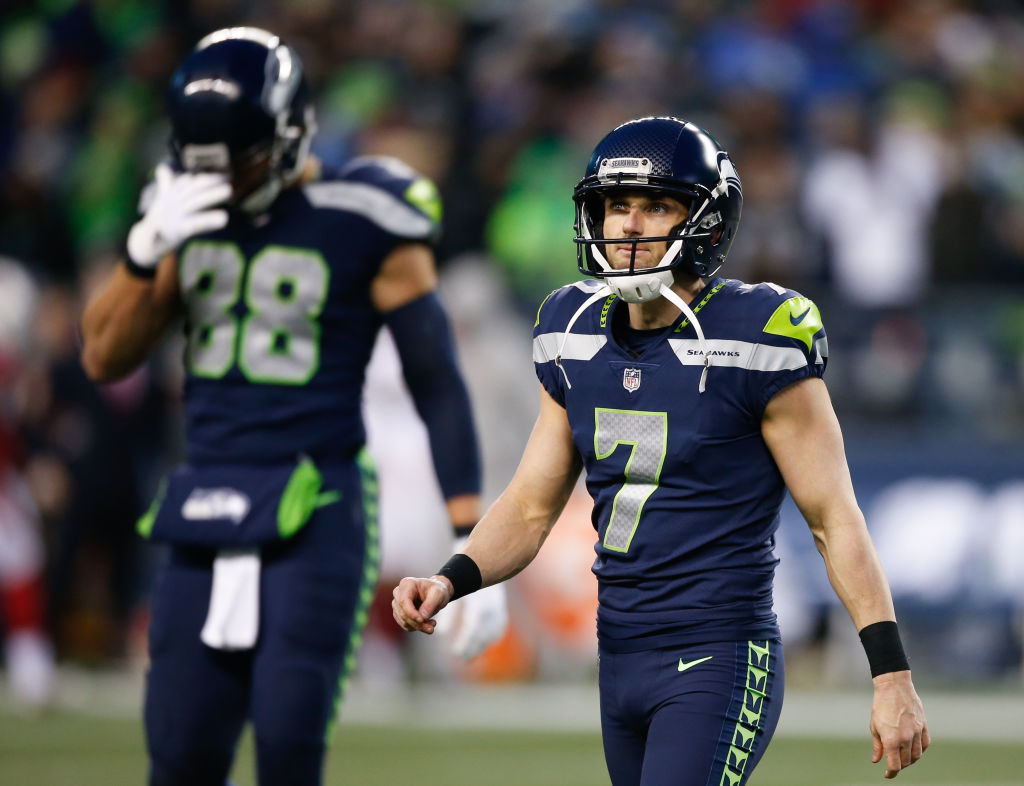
(738, 354)
(376, 204)
(578, 346)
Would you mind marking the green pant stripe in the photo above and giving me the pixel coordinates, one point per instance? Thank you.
(746, 727)
(368, 583)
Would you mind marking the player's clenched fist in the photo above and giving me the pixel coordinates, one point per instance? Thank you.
(415, 601)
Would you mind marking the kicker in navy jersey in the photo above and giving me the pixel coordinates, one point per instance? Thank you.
(686, 494)
(691, 403)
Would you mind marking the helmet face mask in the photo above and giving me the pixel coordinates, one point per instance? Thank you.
(239, 105)
(662, 156)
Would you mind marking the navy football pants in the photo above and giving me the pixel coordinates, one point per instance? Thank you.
(699, 715)
(313, 597)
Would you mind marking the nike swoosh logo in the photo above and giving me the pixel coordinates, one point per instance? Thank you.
(798, 319)
(683, 665)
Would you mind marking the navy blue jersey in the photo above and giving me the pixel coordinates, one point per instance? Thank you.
(279, 322)
(686, 494)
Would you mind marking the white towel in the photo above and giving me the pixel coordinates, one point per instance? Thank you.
(232, 621)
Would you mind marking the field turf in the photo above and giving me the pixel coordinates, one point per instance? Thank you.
(64, 748)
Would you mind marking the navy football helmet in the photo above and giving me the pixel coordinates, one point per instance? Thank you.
(239, 100)
(664, 155)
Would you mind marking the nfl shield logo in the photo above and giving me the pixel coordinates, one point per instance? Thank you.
(631, 379)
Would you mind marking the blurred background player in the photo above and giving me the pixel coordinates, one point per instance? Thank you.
(690, 430)
(284, 278)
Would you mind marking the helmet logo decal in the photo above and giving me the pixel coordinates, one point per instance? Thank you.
(224, 87)
(728, 176)
(631, 379)
(613, 170)
(282, 80)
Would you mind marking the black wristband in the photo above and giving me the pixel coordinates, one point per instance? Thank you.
(463, 573)
(138, 270)
(881, 641)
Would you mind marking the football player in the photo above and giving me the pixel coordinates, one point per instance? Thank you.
(284, 278)
(692, 402)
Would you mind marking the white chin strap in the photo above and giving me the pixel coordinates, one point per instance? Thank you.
(599, 293)
(679, 303)
(664, 291)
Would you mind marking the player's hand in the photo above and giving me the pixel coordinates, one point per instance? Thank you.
(476, 621)
(184, 204)
(415, 601)
(898, 727)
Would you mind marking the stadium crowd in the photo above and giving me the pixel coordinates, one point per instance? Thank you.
(883, 163)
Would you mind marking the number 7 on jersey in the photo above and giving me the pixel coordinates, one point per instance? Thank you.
(647, 435)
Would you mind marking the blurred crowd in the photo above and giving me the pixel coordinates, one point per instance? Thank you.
(880, 143)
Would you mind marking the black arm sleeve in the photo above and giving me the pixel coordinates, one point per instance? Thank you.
(429, 365)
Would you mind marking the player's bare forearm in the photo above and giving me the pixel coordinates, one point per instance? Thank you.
(124, 320)
(854, 570)
(511, 533)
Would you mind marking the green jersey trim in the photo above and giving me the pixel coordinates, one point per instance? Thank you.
(368, 582)
(745, 731)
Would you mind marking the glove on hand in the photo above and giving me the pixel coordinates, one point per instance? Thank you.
(180, 208)
(474, 622)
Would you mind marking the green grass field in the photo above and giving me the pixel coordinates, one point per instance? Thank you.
(68, 749)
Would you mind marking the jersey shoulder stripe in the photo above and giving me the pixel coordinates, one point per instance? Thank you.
(555, 314)
(384, 191)
(577, 346)
(372, 203)
(398, 178)
(738, 354)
